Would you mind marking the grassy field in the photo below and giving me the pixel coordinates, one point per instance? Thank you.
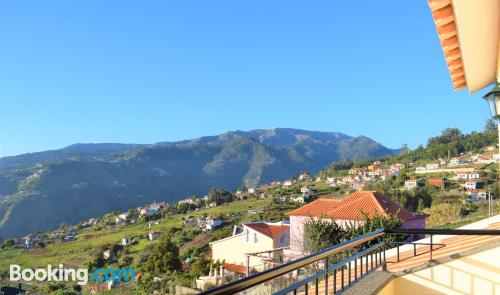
(90, 242)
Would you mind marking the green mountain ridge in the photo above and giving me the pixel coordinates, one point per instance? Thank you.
(73, 186)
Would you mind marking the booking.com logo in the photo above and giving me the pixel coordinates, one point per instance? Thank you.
(61, 274)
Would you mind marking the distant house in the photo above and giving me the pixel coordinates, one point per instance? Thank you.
(349, 210)
(330, 180)
(68, 238)
(471, 184)
(477, 194)
(29, 243)
(143, 210)
(288, 182)
(123, 216)
(461, 176)
(251, 190)
(305, 190)
(186, 201)
(304, 176)
(126, 241)
(411, 184)
(108, 254)
(420, 169)
(437, 182)
(300, 199)
(432, 166)
(213, 223)
(473, 176)
(153, 235)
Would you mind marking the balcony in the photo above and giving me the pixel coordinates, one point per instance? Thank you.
(460, 261)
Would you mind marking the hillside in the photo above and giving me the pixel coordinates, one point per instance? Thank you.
(42, 190)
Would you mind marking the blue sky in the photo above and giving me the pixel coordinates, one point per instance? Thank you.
(148, 71)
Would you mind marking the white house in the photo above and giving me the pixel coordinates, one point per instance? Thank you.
(454, 161)
(126, 241)
(420, 169)
(473, 176)
(461, 176)
(254, 237)
(470, 184)
(330, 180)
(251, 190)
(305, 190)
(288, 182)
(153, 235)
(411, 184)
(477, 194)
(432, 166)
(212, 223)
(304, 176)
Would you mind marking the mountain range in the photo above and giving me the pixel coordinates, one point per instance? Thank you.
(42, 190)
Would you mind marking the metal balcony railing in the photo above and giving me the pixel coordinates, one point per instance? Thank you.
(358, 260)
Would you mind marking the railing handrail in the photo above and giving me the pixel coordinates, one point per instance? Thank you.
(328, 270)
(453, 232)
(266, 275)
(261, 277)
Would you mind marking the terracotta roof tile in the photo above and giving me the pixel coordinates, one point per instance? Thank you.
(270, 230)
(315, 208)
(236, 268)
(353, 206)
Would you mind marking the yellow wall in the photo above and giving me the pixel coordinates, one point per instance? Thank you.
(474, 274)
(233, 249)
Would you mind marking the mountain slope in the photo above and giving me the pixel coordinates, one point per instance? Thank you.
(82, 181)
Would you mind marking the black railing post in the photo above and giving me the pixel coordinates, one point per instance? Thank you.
(334, 281)
(317, 287)
(355, 269)
(307, 288)
(342, 282)
(398, 252)
(349, 274)
(361, 266)
(414, 249)
(431, 247)
(326, 276)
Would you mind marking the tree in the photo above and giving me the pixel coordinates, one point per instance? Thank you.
(220, 196)
(322, 233)
(165, 257)
(491, 125)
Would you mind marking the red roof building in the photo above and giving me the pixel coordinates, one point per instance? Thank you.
(437, 182)
(270, 230)
(353, 206)
(349, 209)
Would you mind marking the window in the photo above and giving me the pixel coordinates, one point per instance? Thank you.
(247, 233)
(282, 239)
(255, 238)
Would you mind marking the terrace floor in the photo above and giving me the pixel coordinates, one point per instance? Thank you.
(445, 247)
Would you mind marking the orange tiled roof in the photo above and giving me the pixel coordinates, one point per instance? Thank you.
(444, 18)
(270, 230)
(236, 268)
(315, 208)
(353, 206)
